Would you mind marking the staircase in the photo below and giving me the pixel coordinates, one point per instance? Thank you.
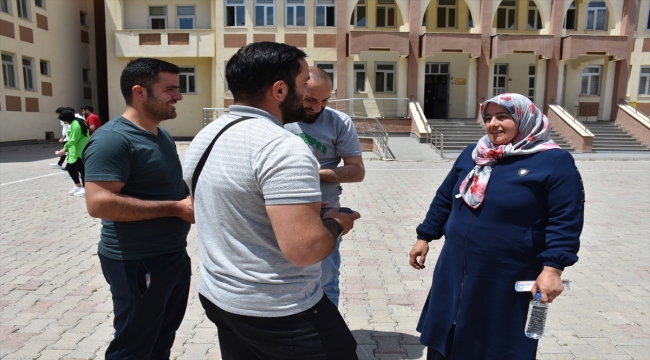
(608, 136)
(462, 132)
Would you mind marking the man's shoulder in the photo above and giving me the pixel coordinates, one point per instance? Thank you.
(336, 115)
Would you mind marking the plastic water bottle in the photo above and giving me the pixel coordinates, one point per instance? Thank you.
(537, 312)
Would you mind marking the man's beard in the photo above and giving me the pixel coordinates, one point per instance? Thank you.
(292, 109)
(311, 118)
(156, 109)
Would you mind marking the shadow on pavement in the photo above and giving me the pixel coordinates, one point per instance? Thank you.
(391, 343)
(29, 153)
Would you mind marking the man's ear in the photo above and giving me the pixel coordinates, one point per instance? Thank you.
(139, 93)
(279, 90)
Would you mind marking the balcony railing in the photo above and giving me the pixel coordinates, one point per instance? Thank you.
(373, 108)
(165, 43)
(212, 114)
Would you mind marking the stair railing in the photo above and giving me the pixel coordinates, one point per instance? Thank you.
(573, 119)
(371, 127)
(588, 107)
(435, 138)
(637, 111)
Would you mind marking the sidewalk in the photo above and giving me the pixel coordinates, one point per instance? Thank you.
(55, 303)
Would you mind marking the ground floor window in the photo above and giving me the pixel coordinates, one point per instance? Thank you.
(330, 69)
(531, 82)
(500, 83)
(384, 77)
(187, 80)
(360, 77)
(644, 81)
(590, 83)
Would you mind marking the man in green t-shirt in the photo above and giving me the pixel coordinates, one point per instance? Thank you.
(134, 184)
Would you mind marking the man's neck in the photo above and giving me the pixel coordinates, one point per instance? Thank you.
(139, 119)
(266, 106)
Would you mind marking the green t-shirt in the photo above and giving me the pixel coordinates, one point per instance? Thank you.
(149, 167)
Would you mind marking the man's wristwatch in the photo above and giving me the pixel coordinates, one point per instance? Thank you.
(339, 227)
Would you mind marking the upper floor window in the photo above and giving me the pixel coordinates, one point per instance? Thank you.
(187, 80)
(384, 77)
(157, 17)
(45, 67)
(325, 12)
(8, 71)
(386, 13)
(235, 13)
(296, 13)
(506, 15)
(596, 15)
(360, 15)
(644, 81)
(28, 73)
(470, 20)
(590, 82)
(534, 20)
(82, 18)
(186, 17)
(264, 12)
(23, 10)
(39, 3)
(359, 77)
(4, 6)
(570, 19)
(447, 13)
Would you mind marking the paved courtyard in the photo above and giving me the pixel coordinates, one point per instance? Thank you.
(55, 303)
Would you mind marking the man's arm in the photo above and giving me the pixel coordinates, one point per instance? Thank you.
(304, 238)
(351, 171)
(103, 200)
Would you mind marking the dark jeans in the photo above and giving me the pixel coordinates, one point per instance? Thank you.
(433, 354)
(317, 333)
(75, 169)
(147, 316)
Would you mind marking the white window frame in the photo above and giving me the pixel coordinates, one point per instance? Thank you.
(574, 11)
(9, 71)
(510, 11)
(355, 14)
(236, 6)
(180, 17)
(42, 5)
(157, 17)
(447, 8)
(295, 5)
(47, 67)
(536, 20)
(359, 68)
(330, 69)
(324, 5)
(644, 75)
(590, 78)
(498, 73)
(29, 80)
(5, 6)
(387, 6)
(595, 10)
(531, 82)
(187, 75)
(22, 9)
(265, 6)
(385, 72)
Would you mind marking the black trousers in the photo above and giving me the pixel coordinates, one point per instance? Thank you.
(75, 169)
(62, 159)
(147, 315)
(315, 334)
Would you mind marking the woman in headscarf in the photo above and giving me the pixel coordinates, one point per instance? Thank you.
(78, 136)
(510, 209)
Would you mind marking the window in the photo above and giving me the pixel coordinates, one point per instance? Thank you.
(4, 6)
(45, 67)
(359, 77)
(28, 74)
(447, 13)
(360, 16)
(235, 13)
(22, 9)
(82, 18)
(325, 12)
(534, 20)
(385, 13)
(186, 17)
(296, 13)
(264, 12)
(424, 19)
(570, 19)
(470, 21)
(647, 25)
(506, 15)
(85, 75)
(596, 15)
(39, 3)
(157, 17)
(590, 81)
(500, 84)
(187, 80)
(644, 81)
(8, 72)
(531, 82)
(330, 69)
(384, 77)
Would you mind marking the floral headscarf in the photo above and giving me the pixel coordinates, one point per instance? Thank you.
(533, 135)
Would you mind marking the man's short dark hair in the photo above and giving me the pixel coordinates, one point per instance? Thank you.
(255, 67)
(143, 72)
(88, 107)
(59, 109)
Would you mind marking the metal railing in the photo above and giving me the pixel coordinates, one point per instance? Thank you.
(637, 111)
(373, 107)
(588, 108)
(435, 138)
(371, 127)
(571, 117)
(212, 114)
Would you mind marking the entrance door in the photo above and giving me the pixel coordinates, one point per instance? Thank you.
(436, 91)
(500, 84)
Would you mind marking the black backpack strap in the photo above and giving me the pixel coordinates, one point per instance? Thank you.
(204, 157)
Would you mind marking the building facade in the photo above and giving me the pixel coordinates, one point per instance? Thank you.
(47, 62)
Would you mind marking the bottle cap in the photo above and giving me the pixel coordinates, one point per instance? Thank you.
(538, 295)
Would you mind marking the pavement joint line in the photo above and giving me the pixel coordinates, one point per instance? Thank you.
(29, 179)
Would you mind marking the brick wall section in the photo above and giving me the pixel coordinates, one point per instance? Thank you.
(46, 88)
(41, 21)
(31, 104)
(85, 37)
(178, 39)
(26, 34)
(149, 39)
(297, 40)
(228, 102)
(13, 103)
(7, 29)
(234, 40)
(646, 45)
(263, 37)
(324, 40)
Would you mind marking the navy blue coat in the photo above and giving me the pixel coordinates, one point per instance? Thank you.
(525, 223)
